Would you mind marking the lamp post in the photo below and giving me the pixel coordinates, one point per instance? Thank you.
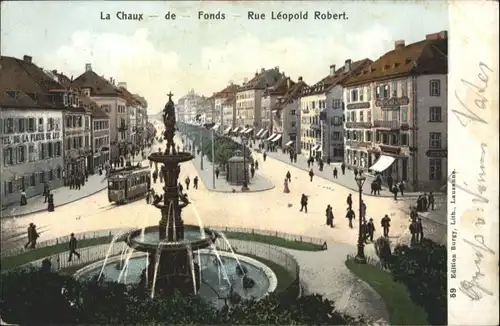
(360, 256)
(213, 158)
(245, 183)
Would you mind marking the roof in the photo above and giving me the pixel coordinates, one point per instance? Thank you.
(429, 56)
(25, 85)
(129, 97)
(280, 88)
(337, 78)
(263, 79)
(141, 100)
(98, 85)
(292, 94)
(230, 89)
(230, 99)
(95, 109)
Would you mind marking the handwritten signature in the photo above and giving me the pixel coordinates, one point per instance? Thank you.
(480, 102)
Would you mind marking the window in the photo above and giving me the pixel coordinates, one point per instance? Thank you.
(369, 93)
(9, 126)
(404, 139)
(8, 187)
(376, 115)
(32, 180)
(394, 89)
(354, 95)
(435, 169)
(348, 95)
(435, 140)
(435, 114)
(362, 94)
(21, 154)
(386, 91)
(369, 116)
(353, 116)
(404, 88)
(31, 153)
(377, 92)
(337, 104)
(8, 156)
(368, 136)
(394, 115)
(86, 141)
(41, 151)
(40, 124)
(51, 175)
(384, 116)
(21, 125)
(31, 124)
(50, 149)
(435, 87)
(361, 116)
(41, 177)
(336, 135)
(75, 142)
(404, 114)
(58, 148)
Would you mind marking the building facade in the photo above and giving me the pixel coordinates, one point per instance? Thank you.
(323, 123)
(187, 107)
(223, 106)
(77, 138)
(269, 106)
(31, 130)
(229, 113)
(396, 115)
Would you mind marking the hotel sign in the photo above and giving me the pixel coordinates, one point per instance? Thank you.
(393, 102)
(30, 138)
(362, 105)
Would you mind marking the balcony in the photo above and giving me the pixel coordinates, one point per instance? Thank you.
(358, 144)
(359, 125)
(389, 125)
(122, 127)
(390, 149)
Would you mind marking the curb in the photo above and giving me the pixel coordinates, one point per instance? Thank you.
(64, 204)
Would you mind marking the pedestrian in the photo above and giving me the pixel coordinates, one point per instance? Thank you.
(350, 215)
(217, 171)
(195, 182)
(329, 216)
(419, 230)
(86, 175)
(371, 229)
(395, 192)
(413, 213)
(389, 181)
(342, 167)
(264, 156)
(23, 201)
(335, 173)
(355, 172)
(256, 165)
(295, 157)
(349, 201)
(72, 247)
(402, 188)
(374, 186)
(51, 207)
(364, 231)
(288, 176)
(311, 175)
(303, 203)
(155, 175)
(187, 181)
(148, 196)
(386, 224)
(430, 201)
(363, 210)
(425, 203)
(150, 164)
(413, 231)
(309, 163)
(286, 190)
(252, 171)
(160, 175)
(328, 161)
(321, 165)
(30, 235)
(46, 191)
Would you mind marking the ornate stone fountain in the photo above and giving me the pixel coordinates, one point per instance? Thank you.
(171, 242)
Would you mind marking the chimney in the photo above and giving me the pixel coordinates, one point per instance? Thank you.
(399, 44)
(122, 85)
(256, 74)
(288, 82)
(347, 65)
(332, 70)
(27, 59)
(300, 78)
(437, 36)
(88, 67)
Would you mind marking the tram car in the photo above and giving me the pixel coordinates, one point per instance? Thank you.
(127, 184)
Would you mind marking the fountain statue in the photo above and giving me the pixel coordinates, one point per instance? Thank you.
(170, 264)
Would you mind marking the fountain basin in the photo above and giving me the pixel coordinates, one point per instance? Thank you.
(149, 241)
(214, 288)
(170, 158)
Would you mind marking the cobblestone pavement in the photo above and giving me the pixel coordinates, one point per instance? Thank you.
(257, 183)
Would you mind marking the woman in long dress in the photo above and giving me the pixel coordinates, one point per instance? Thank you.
(285, 188)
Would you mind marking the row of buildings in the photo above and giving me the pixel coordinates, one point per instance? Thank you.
(387, 115)
(53, 126)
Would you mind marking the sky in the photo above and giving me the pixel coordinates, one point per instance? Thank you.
(155, 55)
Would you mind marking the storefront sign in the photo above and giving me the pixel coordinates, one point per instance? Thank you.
(437, 153)
(362, 105)
(392, 102)
(30, 138)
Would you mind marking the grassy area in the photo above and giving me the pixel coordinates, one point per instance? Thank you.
(272, 240)
(402, 311)
(35, 254)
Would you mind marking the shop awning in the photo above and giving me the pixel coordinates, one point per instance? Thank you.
(244, 131)
(278, 137)
(236, 129)
(315, 148)
(382, 163)
(260, 132)
(249, 130)
(271, 137)
(227, 130)
(262, 135)
(216, 126)
(289, 143)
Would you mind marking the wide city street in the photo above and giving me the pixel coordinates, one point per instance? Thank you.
(271, 210)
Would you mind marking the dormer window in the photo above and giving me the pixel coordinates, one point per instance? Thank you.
(86, 91)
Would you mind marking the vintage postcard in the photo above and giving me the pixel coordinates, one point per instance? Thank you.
(249, 162)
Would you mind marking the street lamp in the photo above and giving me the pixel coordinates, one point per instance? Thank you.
(244, 142)
(360, 256)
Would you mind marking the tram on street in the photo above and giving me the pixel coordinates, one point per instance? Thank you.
(128, 184)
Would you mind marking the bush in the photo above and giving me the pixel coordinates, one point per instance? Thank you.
(51, 298)
(422, 268)
(383, 249)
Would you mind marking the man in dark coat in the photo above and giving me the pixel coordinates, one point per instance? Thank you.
(46, 191)
(342, 167)
(371, 229)
(349, 201)
(30, 235)
(288, 176)
(390, 181)
(413, 231)
(264, 156)
(252, 171)
(419, 230)
(217, 171)
(311, 175)
(425, 203)
(430, 201)
(350, 215)
(303, 203)
(72, 247)
(195, 182)
(395, 192)
(401, 187)
(386, 224)
(335, 173)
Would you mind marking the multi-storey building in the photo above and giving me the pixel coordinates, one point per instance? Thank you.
(322, 108)
(285, 117)
(229, 113)
(396, 114)
(249, 97)
(187, 107)
(133, 105)
(269, 102)
(141, 120)
(112, 101)
(77, 137)
(31, 112)
(226, 117)
(99, 140)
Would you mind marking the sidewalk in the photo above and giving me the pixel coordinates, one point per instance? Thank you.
(257, 183)
(346, 180)
(62, 196)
